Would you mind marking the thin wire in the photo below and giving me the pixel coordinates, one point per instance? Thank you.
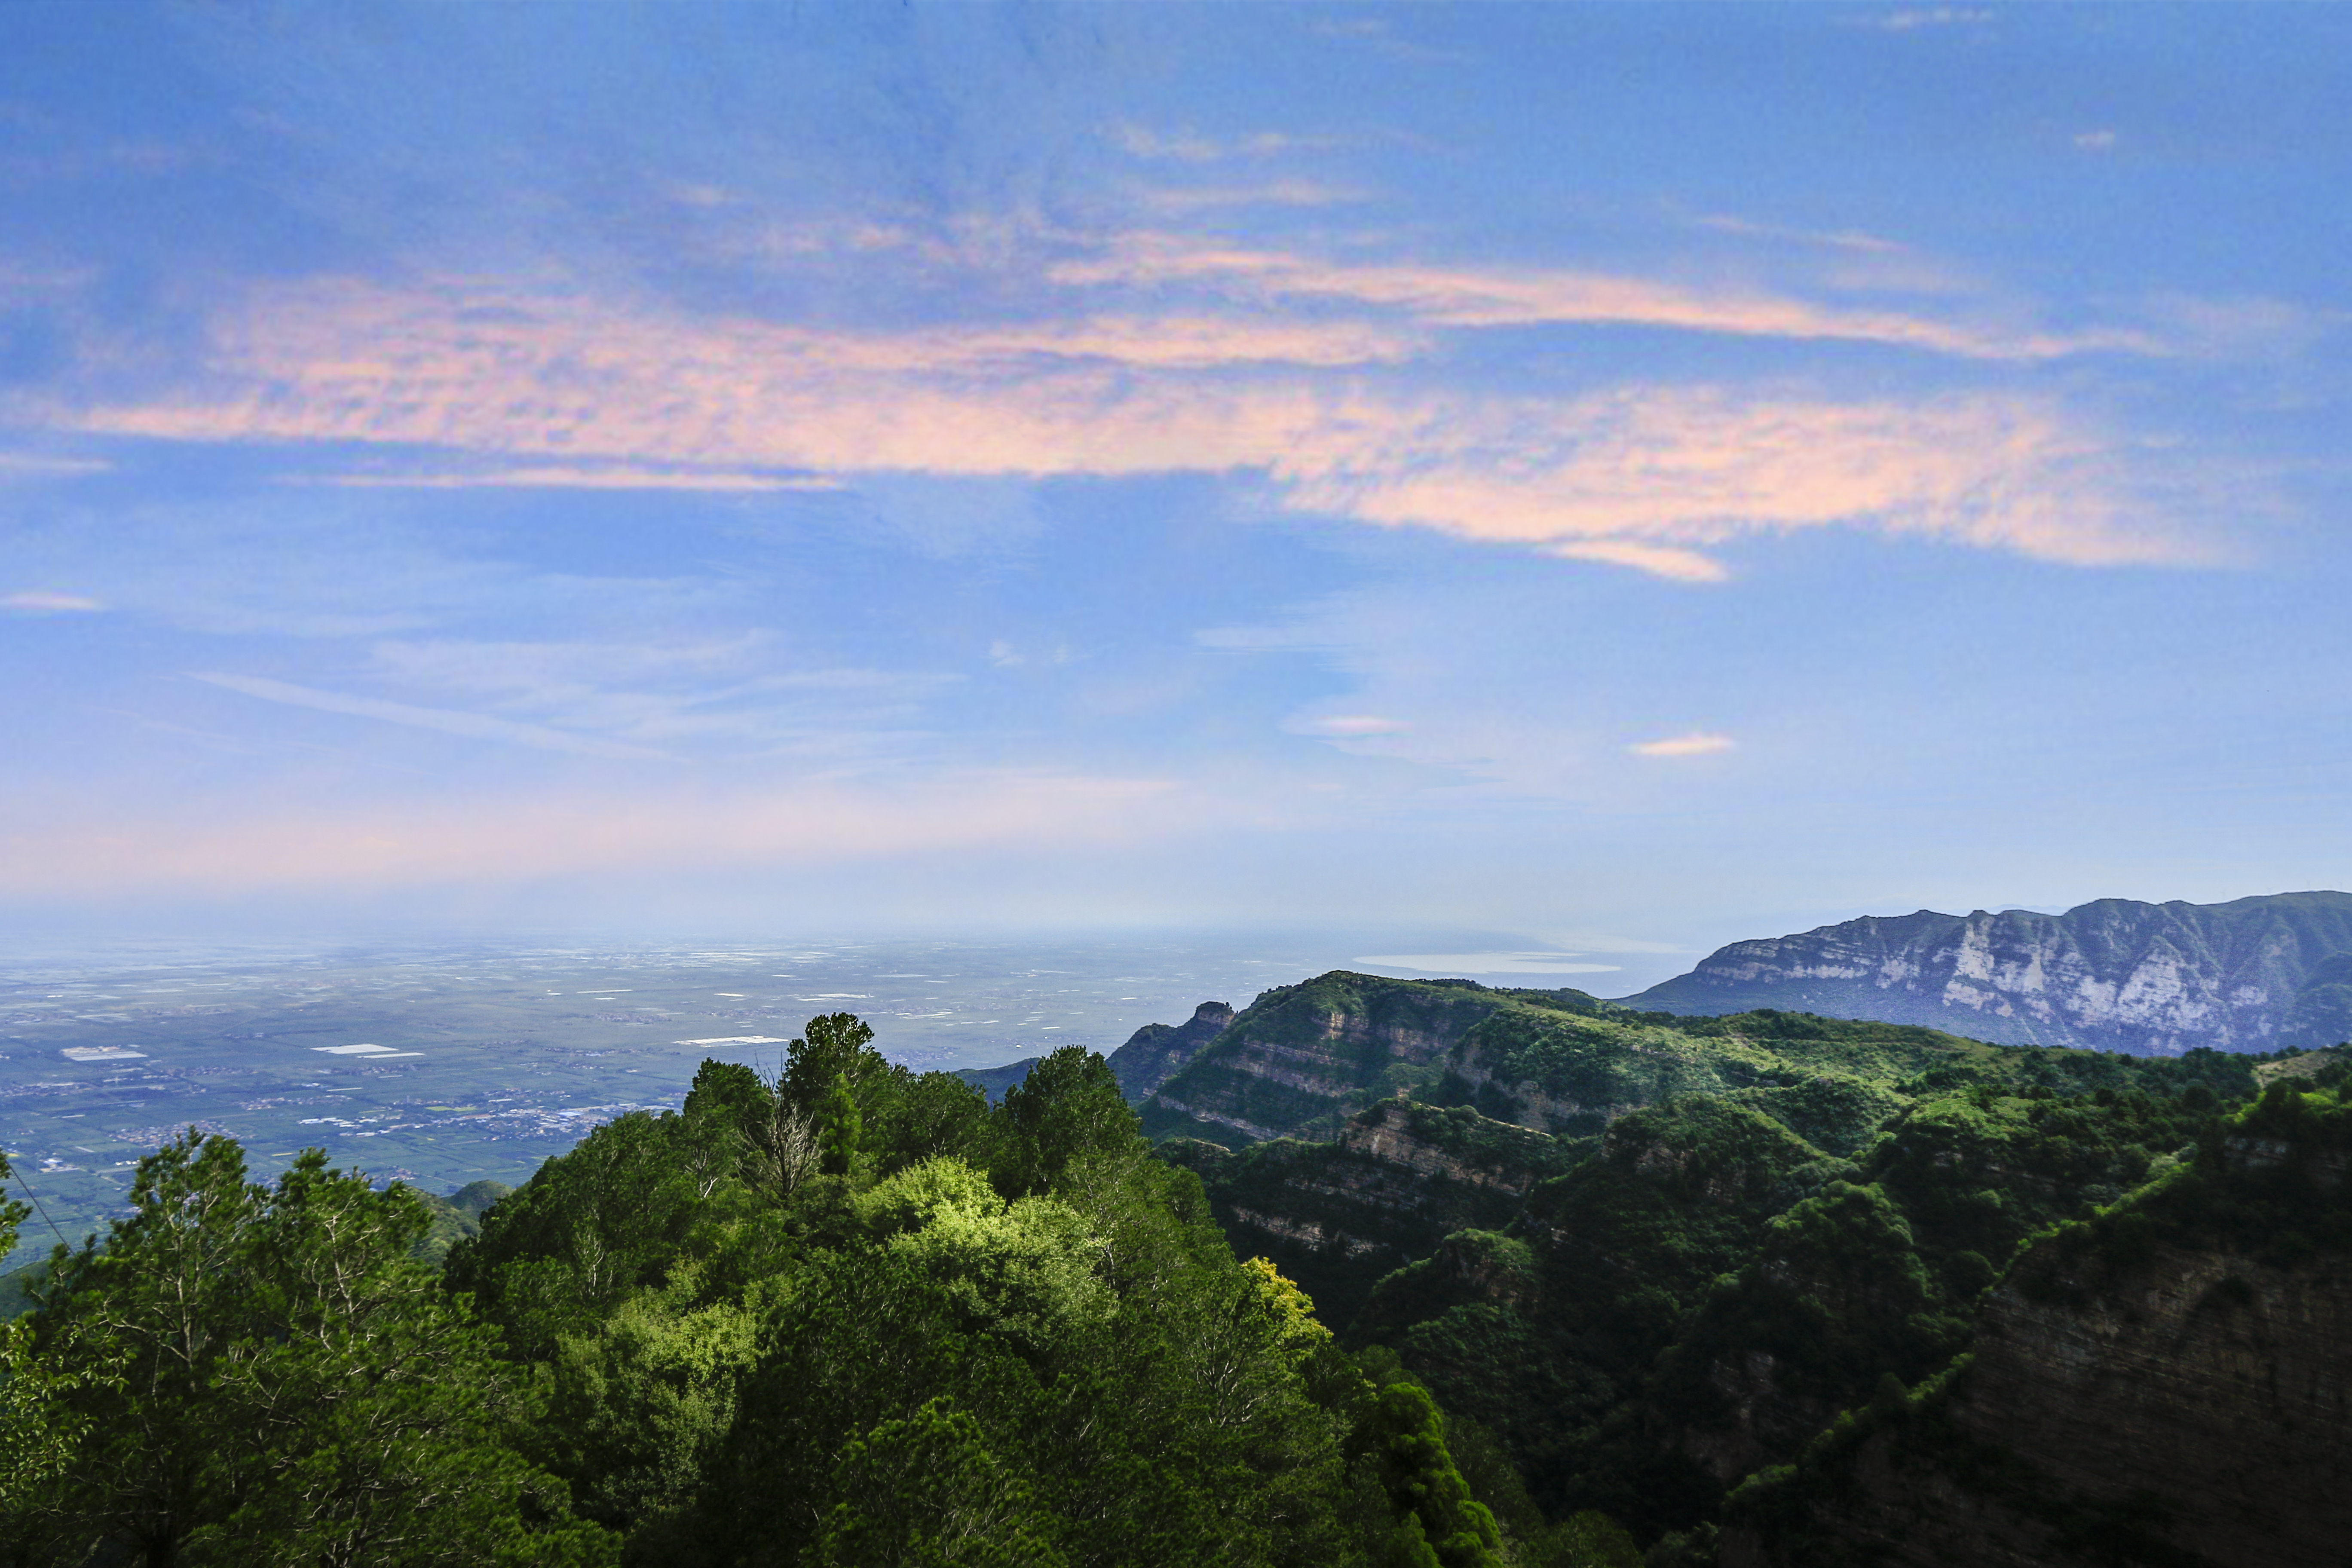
(37, 1205)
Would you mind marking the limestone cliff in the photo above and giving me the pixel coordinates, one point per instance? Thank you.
(2168, 1383)
(2197, 1411)
(2154, 979)
(1400, 1177)
(1157, 1052)
(1303, 1058)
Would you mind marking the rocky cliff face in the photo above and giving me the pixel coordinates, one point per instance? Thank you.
(2167, 1382)
(1400, 1177)
(1157, 1052)
(2153, 979)
(2197, 1410)
(1305, 1058)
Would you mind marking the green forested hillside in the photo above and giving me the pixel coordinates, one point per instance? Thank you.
(1740, 1227)
(1569, 1286)
(852, 1316)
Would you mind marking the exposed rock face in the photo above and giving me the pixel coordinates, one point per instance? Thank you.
(1400, 1178)
(1157, 1052)
(2153, 979)
(2199, 1410)
(1304, 1057)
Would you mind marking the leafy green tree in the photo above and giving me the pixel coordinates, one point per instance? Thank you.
(1405, 1440)
(630, 1205)
(266, 1377)
(1068, 1106)
(637, 1408)
(939, 1113)
(831, 1045)
(928, 1492)
(39, 1430)
(840, 1129)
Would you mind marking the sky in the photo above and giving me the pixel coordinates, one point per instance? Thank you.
(1600, 481)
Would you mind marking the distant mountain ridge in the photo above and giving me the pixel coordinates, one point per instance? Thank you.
(1151, 1056)
(2253, 974)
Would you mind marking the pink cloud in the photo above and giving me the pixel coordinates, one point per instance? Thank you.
(560, 391)
(577, 476)
(1489, 297)
(1693, 745)
(47, 602)
(1658, 560)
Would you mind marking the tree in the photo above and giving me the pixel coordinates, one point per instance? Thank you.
(266, 1377)
(928, 1492)
(839, 1128)
(829, 1046)
(1405, 1439)
(1068, 1106)
(39, 1435)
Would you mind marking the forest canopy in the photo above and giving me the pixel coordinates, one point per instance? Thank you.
(847, 1314)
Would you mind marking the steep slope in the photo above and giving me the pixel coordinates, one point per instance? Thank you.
(1303, 1058)
(1151, 1055)
(2169, 1385)
(1157, 1052)
(2254, 974)
(1735, 1229)
(1398, 1180)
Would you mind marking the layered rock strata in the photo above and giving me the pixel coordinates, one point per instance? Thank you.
(2250, 975)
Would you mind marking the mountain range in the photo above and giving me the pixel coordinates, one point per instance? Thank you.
(2253, 974)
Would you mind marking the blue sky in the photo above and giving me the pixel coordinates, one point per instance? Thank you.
(1611, 480)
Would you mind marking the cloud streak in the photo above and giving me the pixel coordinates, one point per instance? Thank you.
(491, 842)
(1694, 745)
(1494, 297)
(47, 602)
(448, 722)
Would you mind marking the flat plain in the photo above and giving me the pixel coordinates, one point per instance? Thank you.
(444, 1065)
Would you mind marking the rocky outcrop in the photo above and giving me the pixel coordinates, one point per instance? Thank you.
(1399, 1179)
(2195, 1409)
(2154, 979)
(1157, 1052)
(1303, 1058)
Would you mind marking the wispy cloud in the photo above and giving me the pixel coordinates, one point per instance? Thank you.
(581, 477)
(42, 466)
(2099, 140)
(1292, 193)
(47, 602)
(1353, 726)
(1192, 147)
(1693, 745)
(1658, 560)
(1919, 19)
(1488, 297)
(1375, 34)
(473, 726)
(1834, 239)
(1665, 468)
(663, 694)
